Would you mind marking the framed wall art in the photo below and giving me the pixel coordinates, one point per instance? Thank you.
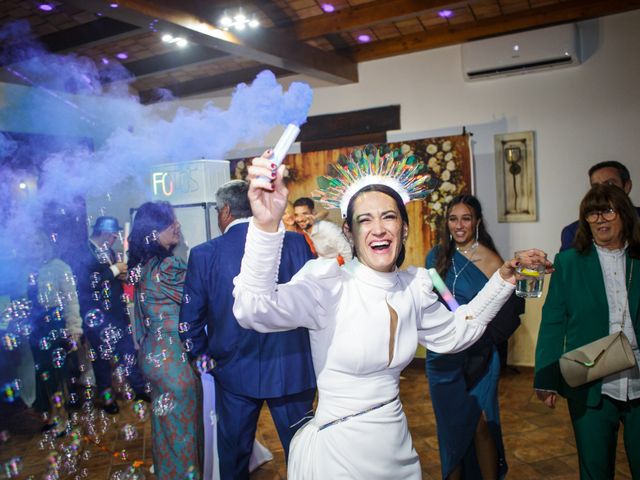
(516, 177)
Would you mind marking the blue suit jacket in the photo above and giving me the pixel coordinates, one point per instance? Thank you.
(258, 365)
(98, 288)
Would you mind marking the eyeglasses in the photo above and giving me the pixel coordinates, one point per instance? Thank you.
(607, 215)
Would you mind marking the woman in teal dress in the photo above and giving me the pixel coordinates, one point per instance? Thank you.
(464, 385)
(158, 276)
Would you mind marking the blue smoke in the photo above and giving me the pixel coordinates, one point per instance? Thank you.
(99, 133)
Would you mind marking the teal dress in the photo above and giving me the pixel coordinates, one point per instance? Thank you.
(176, 416)
(463, 385)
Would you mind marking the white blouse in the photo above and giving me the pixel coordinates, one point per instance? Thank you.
(624, 385)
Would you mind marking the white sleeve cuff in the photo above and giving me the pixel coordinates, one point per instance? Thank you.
(115, 270)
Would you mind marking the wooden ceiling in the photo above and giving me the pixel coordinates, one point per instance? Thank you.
(294, 37)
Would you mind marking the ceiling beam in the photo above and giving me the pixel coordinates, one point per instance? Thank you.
(174, 60)
(365, 16)
(209, 84)
(570, 11)
(261, 45)
(96, 32)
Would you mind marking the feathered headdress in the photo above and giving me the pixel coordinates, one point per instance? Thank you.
(368, 167)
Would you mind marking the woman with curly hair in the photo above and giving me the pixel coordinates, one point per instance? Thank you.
(159, 277)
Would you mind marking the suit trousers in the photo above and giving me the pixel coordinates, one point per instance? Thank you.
(596, 433)
(238, 421)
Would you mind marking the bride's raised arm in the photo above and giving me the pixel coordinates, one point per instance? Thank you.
(260, 303)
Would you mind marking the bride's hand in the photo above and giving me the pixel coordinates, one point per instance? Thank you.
(267, 192)
(530, 257)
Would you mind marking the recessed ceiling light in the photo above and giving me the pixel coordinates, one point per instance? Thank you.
(167, 37)
(22, 185)
(181, 42)
(364, 38)
(445, 13)
(328, 8)
(45, 7)
(239, 21)
(122, 55)
(114, 5)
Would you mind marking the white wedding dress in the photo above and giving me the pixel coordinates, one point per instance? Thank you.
(347, 311)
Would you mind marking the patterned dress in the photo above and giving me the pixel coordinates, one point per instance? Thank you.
(176, 425)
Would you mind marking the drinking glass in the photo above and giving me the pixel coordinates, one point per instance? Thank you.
(530, 272)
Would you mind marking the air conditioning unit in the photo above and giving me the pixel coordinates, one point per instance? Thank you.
(523, 52)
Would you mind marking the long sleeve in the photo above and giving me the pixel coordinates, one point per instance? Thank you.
(262, 305)
(195, 303)
(551, 337)
(73, 320)
(442, 331)
(172, 277)
(57, 287)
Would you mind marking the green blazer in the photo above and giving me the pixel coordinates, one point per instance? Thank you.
(575, 313)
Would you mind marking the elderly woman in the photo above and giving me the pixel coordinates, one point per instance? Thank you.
(364, 321)
(592, 294)
(159, 278)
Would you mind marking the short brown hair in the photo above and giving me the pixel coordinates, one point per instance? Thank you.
(603, 197)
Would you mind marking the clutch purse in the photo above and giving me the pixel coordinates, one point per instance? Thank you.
(597, 359)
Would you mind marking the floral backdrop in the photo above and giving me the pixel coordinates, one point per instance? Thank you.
(448, 159)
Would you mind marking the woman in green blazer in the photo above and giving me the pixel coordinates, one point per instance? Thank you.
(593, 293)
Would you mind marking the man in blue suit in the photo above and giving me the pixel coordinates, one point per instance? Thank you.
(250, 367)
(603, 173)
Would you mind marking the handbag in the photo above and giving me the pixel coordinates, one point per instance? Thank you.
(598, 359)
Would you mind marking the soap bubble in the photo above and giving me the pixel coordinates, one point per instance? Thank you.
(111, 334)
(10, 391)
(58, 357)
(94, 318)
(13, 467)
(163, 404)
(204, 363)
(57, 399)
(140, 410)
(9, 341)
(44, 343)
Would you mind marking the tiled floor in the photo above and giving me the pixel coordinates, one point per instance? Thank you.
(539, 442)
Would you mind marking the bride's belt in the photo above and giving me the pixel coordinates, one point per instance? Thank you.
(370, 409)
